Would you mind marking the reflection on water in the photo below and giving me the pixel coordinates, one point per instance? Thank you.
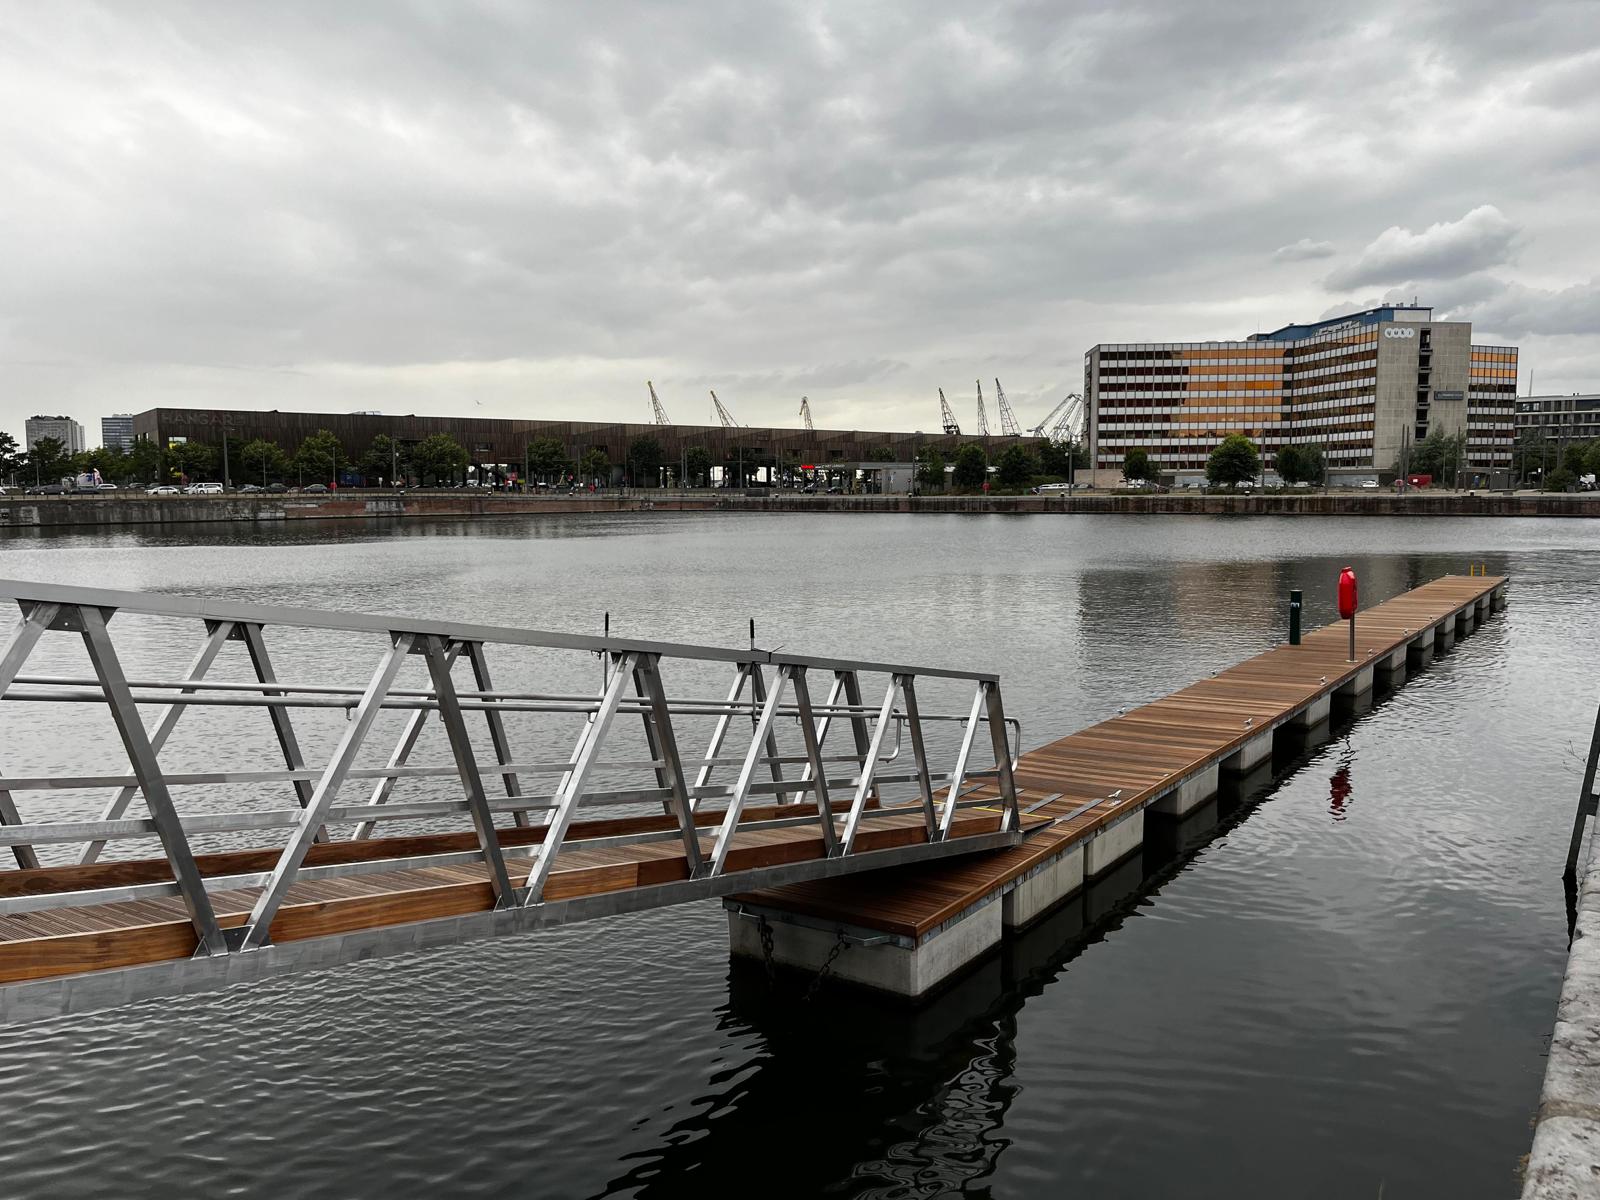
(1335, 981)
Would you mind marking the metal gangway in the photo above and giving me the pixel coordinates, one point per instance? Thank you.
(175, 827)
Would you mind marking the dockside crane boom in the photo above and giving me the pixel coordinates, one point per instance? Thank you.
(723, 414)
(949, 418)
(1008, 419)
(983, 417)
(655, 405)
(1065, 422)
(805, 412)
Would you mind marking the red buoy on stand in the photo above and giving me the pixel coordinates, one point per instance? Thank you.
(1347, 605)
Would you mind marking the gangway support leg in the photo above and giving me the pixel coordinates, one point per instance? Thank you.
(664, 749)
(35, 620)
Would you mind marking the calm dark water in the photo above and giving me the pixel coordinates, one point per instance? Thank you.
(1344, 989)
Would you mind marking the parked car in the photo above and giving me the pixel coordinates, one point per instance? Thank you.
(203, 489)
(1300, 485)
(251, 489)
(162, 489)
(1369, 485)
(107, 487)
(277, 489)
(316, 489)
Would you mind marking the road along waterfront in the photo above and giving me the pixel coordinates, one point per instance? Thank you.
(1345, 984)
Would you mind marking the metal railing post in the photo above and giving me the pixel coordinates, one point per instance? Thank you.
(497, 727)
(958, 775)
(36, 618)
(258, 929)
(858, 720)
(455, 724)
(663, 745)
(814, 771)
(282, 726)
(415, 724)
(908, 689)
(1002, 755)
(163, 813)
(852, 822)
(741, 788)
(719, 734)
(217, 634)
(758, 693)
(570, 791)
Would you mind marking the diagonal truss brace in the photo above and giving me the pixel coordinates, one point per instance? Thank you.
(257, 930)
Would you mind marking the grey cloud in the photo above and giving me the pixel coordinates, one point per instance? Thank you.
(537, 206)
(1303, 250)
(1513, 310)
(1484, 237)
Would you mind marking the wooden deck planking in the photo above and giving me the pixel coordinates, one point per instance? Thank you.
(1144, 753)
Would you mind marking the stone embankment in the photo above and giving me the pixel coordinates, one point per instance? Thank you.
(137, 509)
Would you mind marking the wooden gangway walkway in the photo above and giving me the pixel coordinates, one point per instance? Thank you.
(1166, 754)
(798, 827)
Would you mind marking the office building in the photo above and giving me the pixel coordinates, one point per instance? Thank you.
(1364, 387)
(116, 432)
(1574, 418)
(64, 429)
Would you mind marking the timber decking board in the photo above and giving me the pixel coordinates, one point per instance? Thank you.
(1144, 752)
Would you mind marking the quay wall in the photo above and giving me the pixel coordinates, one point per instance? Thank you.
(88, 511)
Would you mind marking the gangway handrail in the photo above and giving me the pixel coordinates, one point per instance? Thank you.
(680, 782)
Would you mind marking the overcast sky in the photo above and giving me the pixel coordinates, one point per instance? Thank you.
(527, 210)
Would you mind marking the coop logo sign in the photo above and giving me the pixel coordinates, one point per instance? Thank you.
(1393, 332)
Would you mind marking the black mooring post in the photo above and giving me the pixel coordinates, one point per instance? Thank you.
(1294, 617)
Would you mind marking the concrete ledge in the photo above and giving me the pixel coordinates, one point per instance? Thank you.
(1565, 1160)
(1191, 793)
(1313, 714)
(1113, 843)
(1042, 889)
(887, 966)
(1395, 663)
(1444, 635)
(1249, 756)
(1358, 684)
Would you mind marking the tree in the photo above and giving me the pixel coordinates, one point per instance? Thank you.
(1016, 467)
(697, 464)
(192, 459)
(1055, 458)
(111, 463)
(48, 458)
(315, 458)
(1233, 461)
(439, 457)
(146, 462)
(384, 459)
(1559, 480)
(971, 467)
(1136, 465)
(1290, 464)
(10, 456)
(930, 471)
(1439, 455)
(596, 464)
(1575, 457)
(1591, 459)
(262, 461)
(644, 457)
(1313, 463)
(881, 454)
(546, 457)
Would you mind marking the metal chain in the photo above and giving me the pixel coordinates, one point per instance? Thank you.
(766, 952)
(839, 948)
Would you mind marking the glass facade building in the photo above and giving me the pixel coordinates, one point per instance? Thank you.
(1361, 386)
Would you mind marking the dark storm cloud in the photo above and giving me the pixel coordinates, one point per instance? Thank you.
(403, 206)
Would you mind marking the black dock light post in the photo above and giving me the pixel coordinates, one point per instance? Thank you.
(1294, 617)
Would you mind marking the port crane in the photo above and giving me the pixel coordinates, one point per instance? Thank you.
(1065, 422)
(950, 424)
(723, 414)
(805, 412)
(983, 417)
(1008, 419)
(655, 405)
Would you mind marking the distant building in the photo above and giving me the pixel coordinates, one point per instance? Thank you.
(1574, 418)
(64, 429)
(116, 432)
(1363, 387)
